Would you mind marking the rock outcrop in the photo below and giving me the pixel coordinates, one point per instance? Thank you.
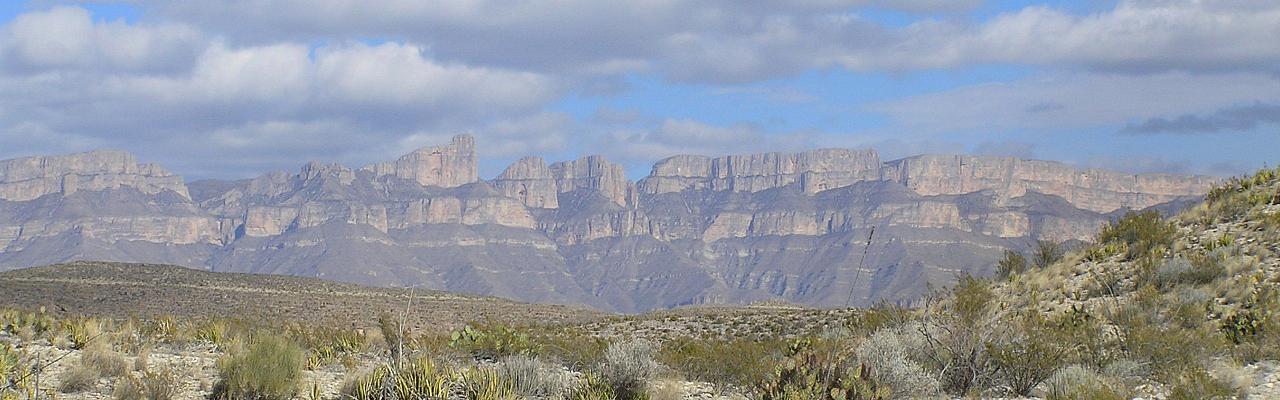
(444, 166)
(594, 173)
(737, 229)
(815, 171)
(1090, 189)
(531, 181)
(28, 178)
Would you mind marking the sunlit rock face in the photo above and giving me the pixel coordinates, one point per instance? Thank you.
(28, 178)
(697, 229)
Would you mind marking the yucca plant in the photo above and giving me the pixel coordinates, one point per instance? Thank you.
(484, 383)
(417, 379)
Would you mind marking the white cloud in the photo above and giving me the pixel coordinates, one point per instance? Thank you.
(742, 41)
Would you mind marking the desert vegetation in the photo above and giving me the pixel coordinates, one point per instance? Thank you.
(1181, 308)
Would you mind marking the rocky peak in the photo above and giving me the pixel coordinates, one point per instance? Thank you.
(447, 166)
(28, 178)
(596, 173)
(316, 170)
(530, 180)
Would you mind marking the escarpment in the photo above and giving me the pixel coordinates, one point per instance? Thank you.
(697, 229)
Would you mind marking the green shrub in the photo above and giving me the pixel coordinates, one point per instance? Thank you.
(1077, 382)
(270, 369)
(1012, 263)
(1196, 384)
(1141, 232)
(592, 387)
(813, 374)
(571, 347)
(492, 341)
(1046, 253)
(1029, 353)
(735, 362)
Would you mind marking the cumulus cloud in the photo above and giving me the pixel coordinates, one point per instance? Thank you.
(1231, 119)
(182, 98)
(742, 41)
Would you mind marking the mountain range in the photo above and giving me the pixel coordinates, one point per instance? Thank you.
(790, 227)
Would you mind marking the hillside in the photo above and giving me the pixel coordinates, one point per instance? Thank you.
(732, 229)
(120, 290)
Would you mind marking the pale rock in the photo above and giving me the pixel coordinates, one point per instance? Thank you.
(595, 173)
(531, 181)
(29, 178)
(446, 166)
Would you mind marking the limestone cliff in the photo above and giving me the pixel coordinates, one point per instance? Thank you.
(815, 171)
(530, 180)
(31, 177)
(447, 166)
(737, 228)
(594, 173)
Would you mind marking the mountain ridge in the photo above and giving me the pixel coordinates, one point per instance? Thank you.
(698, 229)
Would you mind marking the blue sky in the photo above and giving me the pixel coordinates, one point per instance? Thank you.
(231, 89)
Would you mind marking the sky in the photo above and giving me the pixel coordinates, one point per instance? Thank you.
(234, 88)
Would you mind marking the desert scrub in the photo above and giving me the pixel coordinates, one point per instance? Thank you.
(629, 368)
(492, 341)
(1010, 264)
(1140, 232)
(737, 362)
(1196, 384)
(533, 378)
(270, 369)
(892, 356)
(571, 347)
(821, 373)
(151, 385)
(417, 379)
(1079, 382)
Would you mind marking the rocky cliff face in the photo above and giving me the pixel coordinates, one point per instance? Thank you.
(29, 178)
(742, 228)
(445, 166)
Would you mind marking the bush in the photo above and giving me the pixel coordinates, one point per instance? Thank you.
(531, 377)
(723, 362)
(80, 377)
(591, 388)
(1141, 232)
(1197, 384)
(1078, 382)
(271, 369)
(492, 341)
(957, 330)
(1010, 264)
(105, 361)
(158, 385)
(890, 354)
(1047, 253)
(813, 374)
(629, 367)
